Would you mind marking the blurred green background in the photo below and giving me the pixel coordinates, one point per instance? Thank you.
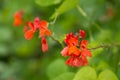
(21, 59)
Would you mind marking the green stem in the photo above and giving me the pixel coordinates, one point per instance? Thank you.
(57, 41)
(87, 17)
(53, 22)
(105, 46)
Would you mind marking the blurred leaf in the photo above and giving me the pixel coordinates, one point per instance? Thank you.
(86, 73)
(65, 6)
(107, 75)
(25, 50)
(93, 44)
(6, 34)
(117, 39)
(65, 76)
(104, 35)
(3, 67)
(3, 50)
(97, 52)
(47, 2)
(102, 65)
(56, 68)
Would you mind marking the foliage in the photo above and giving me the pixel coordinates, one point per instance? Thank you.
(21, 59)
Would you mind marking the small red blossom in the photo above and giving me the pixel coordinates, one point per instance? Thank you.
(18, 18)
(82, 33)
(76, 50)
(42, 26)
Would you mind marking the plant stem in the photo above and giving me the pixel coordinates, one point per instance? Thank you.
(105, 46)
(53, 22)
(57, 41)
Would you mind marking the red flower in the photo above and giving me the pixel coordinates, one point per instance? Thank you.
(77, 53)
(82, 33)
(44, 44)
(18, 18)
(32, 27)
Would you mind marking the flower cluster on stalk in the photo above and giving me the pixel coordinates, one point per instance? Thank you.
(76, 49)
(32, 27)
(76, 46)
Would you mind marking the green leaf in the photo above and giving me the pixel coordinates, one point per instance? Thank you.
(65, 76)
(104, 35)
(47, 2)
(6, 34)
(86, 73)
(65, 6)
(107, 75)
(102, 65)
(56, 68)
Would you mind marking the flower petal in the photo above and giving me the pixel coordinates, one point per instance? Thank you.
(29, 34)
(37, 22)
(44, 45)
(18, 18)
(86, 53)
(83, 44)
(17, 21)
(64, 52)
(82, 33)
(73, 50)
(43, 24)
(44, 32)
(31, 25)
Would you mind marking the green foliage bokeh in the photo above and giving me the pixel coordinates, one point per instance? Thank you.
(21, 59)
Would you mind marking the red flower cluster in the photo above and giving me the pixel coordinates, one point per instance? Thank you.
(18, 18)
(32, 27)
(78, 56)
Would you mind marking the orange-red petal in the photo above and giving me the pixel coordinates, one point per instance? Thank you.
(83, 44)
(64, 52)
(44, 44)
(17, 21)
(82, 33)
(44, 32)
(31, 25)
(74, 51)
(18, 18)
(43, 24)
(86, 53)
(29, 34)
